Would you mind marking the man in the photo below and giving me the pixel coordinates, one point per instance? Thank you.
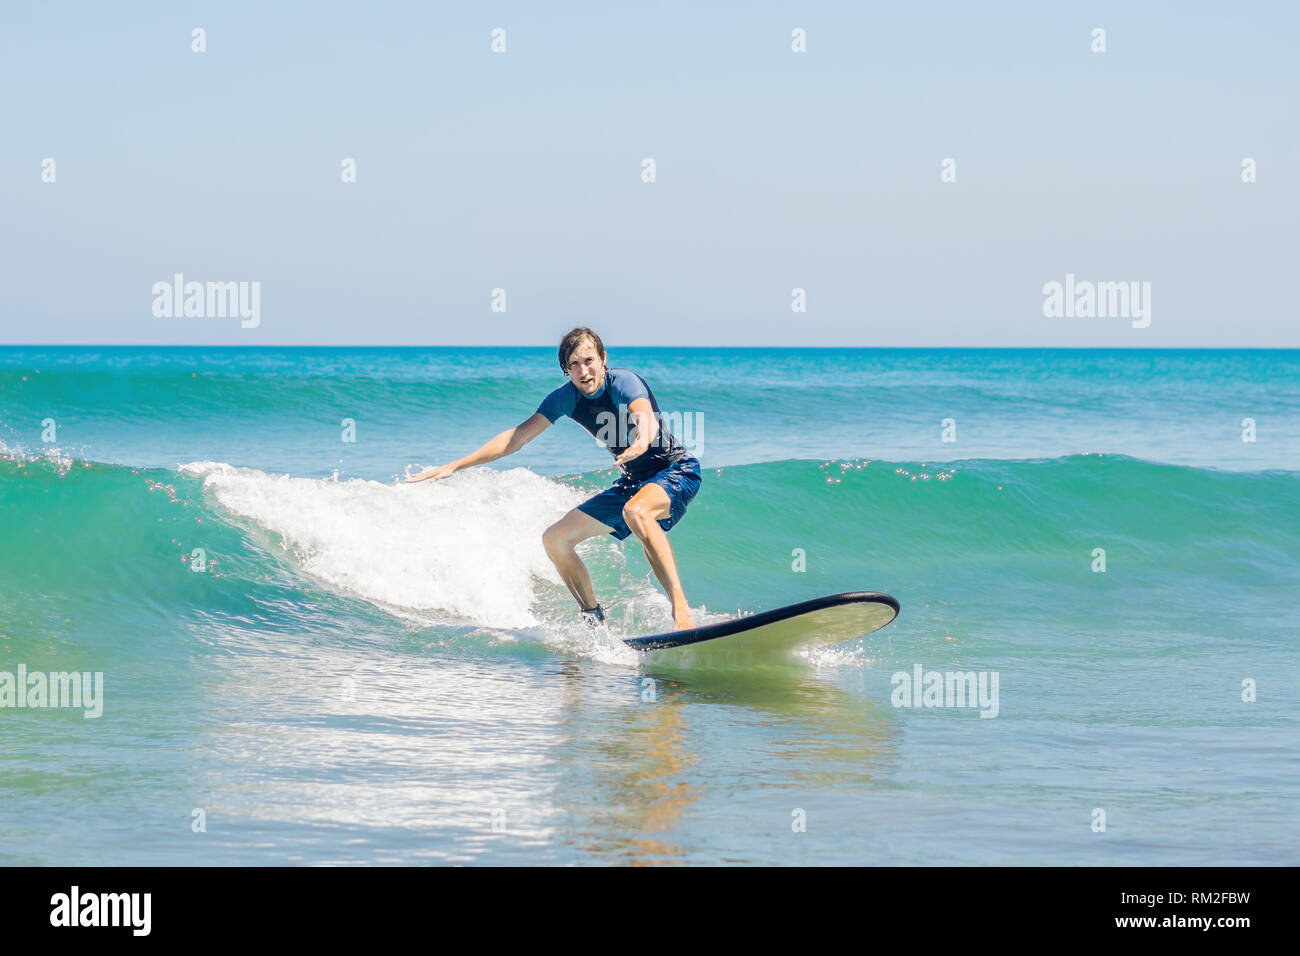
(659, 476)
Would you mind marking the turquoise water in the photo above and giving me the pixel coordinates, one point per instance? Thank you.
(366, 671)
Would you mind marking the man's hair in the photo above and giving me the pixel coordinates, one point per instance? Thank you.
(571, 341)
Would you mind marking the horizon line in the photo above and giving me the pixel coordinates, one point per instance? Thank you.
(863, 348)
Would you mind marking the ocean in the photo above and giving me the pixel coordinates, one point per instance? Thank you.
(299, 659)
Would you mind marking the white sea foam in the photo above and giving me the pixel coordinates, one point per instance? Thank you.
(853, 655)
(465, 549)
(61, 459)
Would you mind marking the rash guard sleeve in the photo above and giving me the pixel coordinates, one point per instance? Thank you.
(627, 387)
(559, 403)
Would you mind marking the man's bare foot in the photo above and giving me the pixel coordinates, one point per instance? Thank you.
(682, 620)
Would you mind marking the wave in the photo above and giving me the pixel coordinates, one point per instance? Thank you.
(466, 552)
(469, 546)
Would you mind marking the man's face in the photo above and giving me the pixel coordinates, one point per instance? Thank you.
(586, 369)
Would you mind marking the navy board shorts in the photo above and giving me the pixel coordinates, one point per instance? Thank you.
(681, 480)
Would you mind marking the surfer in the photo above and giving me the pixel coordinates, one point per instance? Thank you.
(659, 477)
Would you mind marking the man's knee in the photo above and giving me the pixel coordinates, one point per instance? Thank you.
(637, 515)
(555, 540)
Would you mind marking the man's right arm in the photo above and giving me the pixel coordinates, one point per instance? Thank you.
(507, 443)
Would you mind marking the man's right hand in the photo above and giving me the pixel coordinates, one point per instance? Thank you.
(434, 474)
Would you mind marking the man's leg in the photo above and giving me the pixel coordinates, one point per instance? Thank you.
(560, 540)
(642, 513)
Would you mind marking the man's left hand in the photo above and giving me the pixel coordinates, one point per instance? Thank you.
(632, 451)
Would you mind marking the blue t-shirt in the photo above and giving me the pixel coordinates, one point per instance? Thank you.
(607, 416)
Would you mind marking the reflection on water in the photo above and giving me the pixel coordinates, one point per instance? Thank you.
(363, 750)
(636, 769)
(434, 746)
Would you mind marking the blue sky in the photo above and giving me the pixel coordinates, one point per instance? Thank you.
(775, 171)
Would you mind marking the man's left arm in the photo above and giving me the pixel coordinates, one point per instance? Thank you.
(647, 429)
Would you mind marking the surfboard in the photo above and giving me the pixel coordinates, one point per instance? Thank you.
(781, 635)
